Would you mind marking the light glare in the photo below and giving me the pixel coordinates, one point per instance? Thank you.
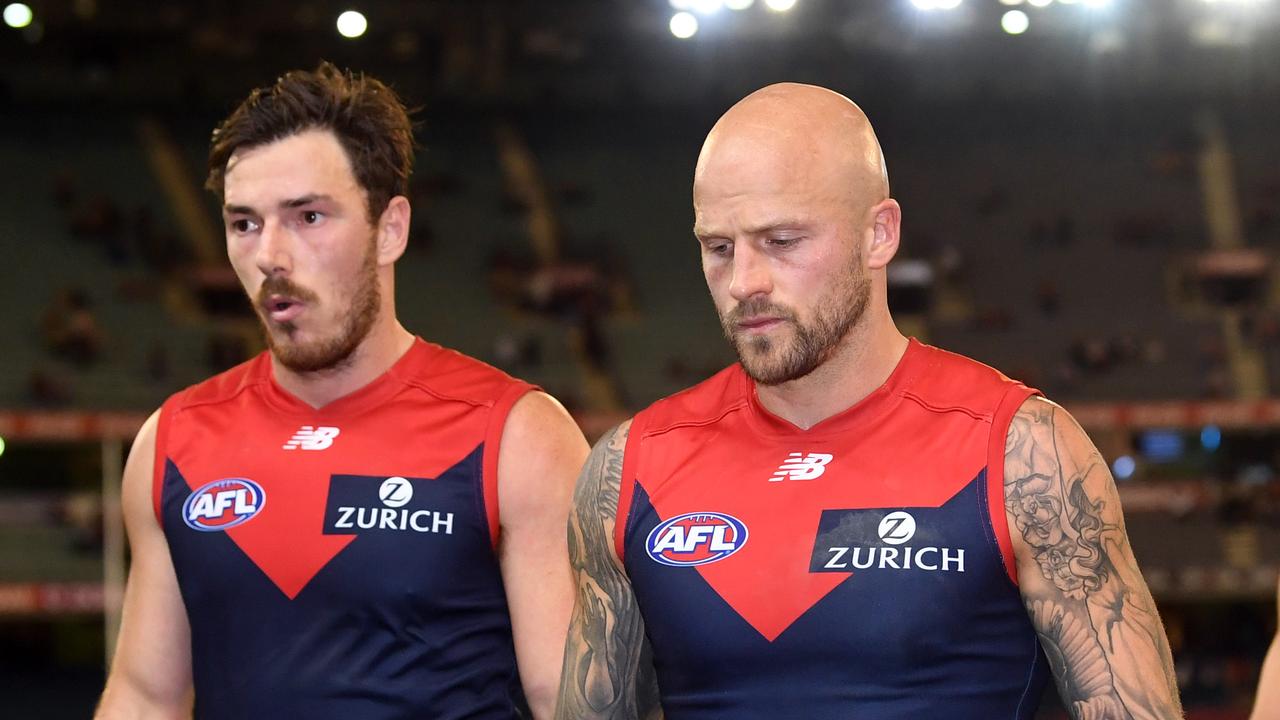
(948, 4)
(684, 25)
(1123, 467)
(780, 5)
(739, 4)
(352, 24)
(707, 7)
(1040, 3)
(1015, 22)
(17, 15)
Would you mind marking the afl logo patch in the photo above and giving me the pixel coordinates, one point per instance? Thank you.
(223, 504)
(696, 539)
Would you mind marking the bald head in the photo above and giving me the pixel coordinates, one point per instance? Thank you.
(796, 138)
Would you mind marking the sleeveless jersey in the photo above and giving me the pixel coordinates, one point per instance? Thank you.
(339, 562)
(860, 569)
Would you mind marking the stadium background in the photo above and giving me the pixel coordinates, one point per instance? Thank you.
(1091, 205)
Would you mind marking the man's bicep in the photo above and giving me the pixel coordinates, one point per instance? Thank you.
(1077, 575)
(602, 675)
(541, 454)
(151, 669)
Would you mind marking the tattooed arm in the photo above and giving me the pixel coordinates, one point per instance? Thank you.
(1078, 578)
(608, 672)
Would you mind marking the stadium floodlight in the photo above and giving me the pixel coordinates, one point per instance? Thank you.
(1040, 3)
(684, 25)
(1015, 22)
(707, 7)
(780, 5)
(18, 15)
(1011, 2)
(739, 4)
(352, 24)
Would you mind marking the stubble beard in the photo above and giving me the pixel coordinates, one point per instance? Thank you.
(328, 353)
(776, 360)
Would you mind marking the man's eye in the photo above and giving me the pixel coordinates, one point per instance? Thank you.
(782, 241)
(243, 225)
(311, 217)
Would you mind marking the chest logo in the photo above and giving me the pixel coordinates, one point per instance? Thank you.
(312, 438)
(897, 528)
(358, 502)
(395, 492)
(799, 466)
(223, 504)
(847, 541)
(696, 539)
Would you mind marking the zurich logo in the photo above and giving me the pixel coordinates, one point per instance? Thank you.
(223, 504)
(897, 527)
(696, 539)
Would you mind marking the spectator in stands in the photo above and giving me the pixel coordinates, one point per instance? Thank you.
(71, 329)
(44, 390)
(1048, 298)
(100, 220)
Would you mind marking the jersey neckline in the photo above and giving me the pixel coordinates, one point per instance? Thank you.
(860, 415)
(370, 396)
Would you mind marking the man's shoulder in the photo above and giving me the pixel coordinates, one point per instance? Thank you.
(712, 398)
(221, 387)
(952, 380)
(451, 375)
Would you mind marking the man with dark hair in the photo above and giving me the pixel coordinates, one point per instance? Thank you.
(847, 523)
(357, 523)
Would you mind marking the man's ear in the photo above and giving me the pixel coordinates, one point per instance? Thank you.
(886, 232)
(393, 230)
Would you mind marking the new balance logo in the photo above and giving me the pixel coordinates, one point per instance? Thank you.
(799, 466)
(312, 438)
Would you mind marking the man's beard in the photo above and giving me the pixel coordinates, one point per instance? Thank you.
(334, 351)
(773, 361)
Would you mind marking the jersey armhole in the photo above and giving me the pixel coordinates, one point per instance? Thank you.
(492, 445)
(159, 462)
(1009, 404)
(626, 488)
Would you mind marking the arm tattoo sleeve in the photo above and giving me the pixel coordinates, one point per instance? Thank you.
(607, 667)
(1095, 617)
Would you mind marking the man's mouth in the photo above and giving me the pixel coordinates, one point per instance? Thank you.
(759, 323)
(282, 308)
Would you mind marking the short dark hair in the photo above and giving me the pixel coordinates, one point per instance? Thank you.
(369, 120)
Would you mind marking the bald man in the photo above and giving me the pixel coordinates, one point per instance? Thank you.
(847, 523)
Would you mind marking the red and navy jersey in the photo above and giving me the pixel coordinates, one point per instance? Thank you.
(859, 569)
(339, 562)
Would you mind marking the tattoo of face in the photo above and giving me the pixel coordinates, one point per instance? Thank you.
(1095, 619)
